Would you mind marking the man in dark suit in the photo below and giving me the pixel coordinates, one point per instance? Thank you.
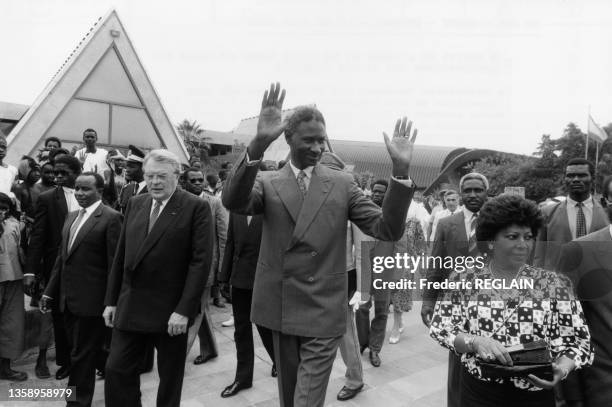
(202, 326)
(455, 237)
(300, 289)
(588, 262)
(238, 269)
(575, 217)
(45, 240)
(135, 183)
(79, 279)
(154, 289)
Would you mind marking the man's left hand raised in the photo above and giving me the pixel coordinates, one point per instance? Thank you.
(400, 146)
(177, 324)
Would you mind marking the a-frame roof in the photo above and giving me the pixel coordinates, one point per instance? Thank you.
(101, 85)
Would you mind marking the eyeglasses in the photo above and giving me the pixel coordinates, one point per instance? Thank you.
(194, 180)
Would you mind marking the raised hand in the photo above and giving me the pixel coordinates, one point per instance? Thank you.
(270, 125)
(400, 146)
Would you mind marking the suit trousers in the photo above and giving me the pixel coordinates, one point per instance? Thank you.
(86, 339)
(203, 328)
(12, 319)
(454, 385)
(62, 346)
(243, 335)
(122, 385)
(349, 350)
(373, 336)
(304, 365)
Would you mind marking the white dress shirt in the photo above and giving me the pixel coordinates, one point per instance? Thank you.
(572, 211)
(88, 211)
(71, 201)
(163, 205)
(307, 171)
(468, 215)
(141, 186)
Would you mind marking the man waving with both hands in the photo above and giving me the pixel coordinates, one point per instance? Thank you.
(300, 289)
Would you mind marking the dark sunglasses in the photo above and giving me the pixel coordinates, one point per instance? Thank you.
(56, 173)
(194, 180)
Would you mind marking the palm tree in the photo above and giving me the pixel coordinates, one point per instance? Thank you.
(193, 136)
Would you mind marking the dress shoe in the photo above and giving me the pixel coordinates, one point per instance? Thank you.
(203, 359)
(62, 373)
(13, 375)
(346, 394)
(234, 388)
(274, 372)
(228, 323)
(362, 348)
(42, 371)
(217, 303)
(374, 358)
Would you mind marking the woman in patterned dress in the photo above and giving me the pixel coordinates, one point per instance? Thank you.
(481, 323)
(415, 245)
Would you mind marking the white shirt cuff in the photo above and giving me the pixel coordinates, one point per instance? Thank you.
(251, 162)
(29, 275)
(407, 182)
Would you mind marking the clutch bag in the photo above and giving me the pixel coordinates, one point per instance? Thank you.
(527, 358)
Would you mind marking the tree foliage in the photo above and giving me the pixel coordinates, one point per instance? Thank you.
(194, 139)
(543, 175)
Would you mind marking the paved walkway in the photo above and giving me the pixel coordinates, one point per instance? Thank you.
(413, 373)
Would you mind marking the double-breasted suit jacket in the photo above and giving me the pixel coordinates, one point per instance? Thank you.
(301, 280)
(164, 271)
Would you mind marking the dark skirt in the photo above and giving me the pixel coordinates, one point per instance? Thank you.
(478, 393)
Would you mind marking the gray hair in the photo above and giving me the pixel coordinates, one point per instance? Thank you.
(474, 175)
(165, 157)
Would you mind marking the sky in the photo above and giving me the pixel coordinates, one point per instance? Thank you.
(477, 74)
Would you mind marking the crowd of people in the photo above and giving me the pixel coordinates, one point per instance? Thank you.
(124, 254)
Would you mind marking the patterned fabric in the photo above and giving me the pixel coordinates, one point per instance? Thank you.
(512, 317)
(154, 214)
(580, 221)
(416, 246)
(473, 249)
(301, 183)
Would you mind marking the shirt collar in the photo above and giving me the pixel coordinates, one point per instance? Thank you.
(141, 185)
(610, 230)
(587, 202)
(165, 201)
(467, 213)
(68, 190)
(296, 170)
(91, 208)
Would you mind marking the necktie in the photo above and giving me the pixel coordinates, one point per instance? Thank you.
(473, 247)
(74, 227)
(154, 214)
(302, 183)
(580, 221)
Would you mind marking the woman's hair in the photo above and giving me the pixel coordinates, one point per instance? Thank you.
(504, 211)
(5, 199)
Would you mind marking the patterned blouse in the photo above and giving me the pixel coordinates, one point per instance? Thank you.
(549, 311)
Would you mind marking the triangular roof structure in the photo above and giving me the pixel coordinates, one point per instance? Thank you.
(102, 85)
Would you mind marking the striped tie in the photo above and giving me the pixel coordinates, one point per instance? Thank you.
(580, 221)
(473, 247)
(74, 227)
(154, 214)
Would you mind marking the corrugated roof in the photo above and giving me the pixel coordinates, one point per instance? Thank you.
(12, 111)
(249, 125)
(372, 156)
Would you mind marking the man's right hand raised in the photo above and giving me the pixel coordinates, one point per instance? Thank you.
(270, 125)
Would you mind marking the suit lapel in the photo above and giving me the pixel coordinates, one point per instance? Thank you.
(599, 217)
(61, 197)
(288, 191)
(66, 232)
(165, 219)
(563, 224)
(460, 233)
(87, 226)
(318, 191)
